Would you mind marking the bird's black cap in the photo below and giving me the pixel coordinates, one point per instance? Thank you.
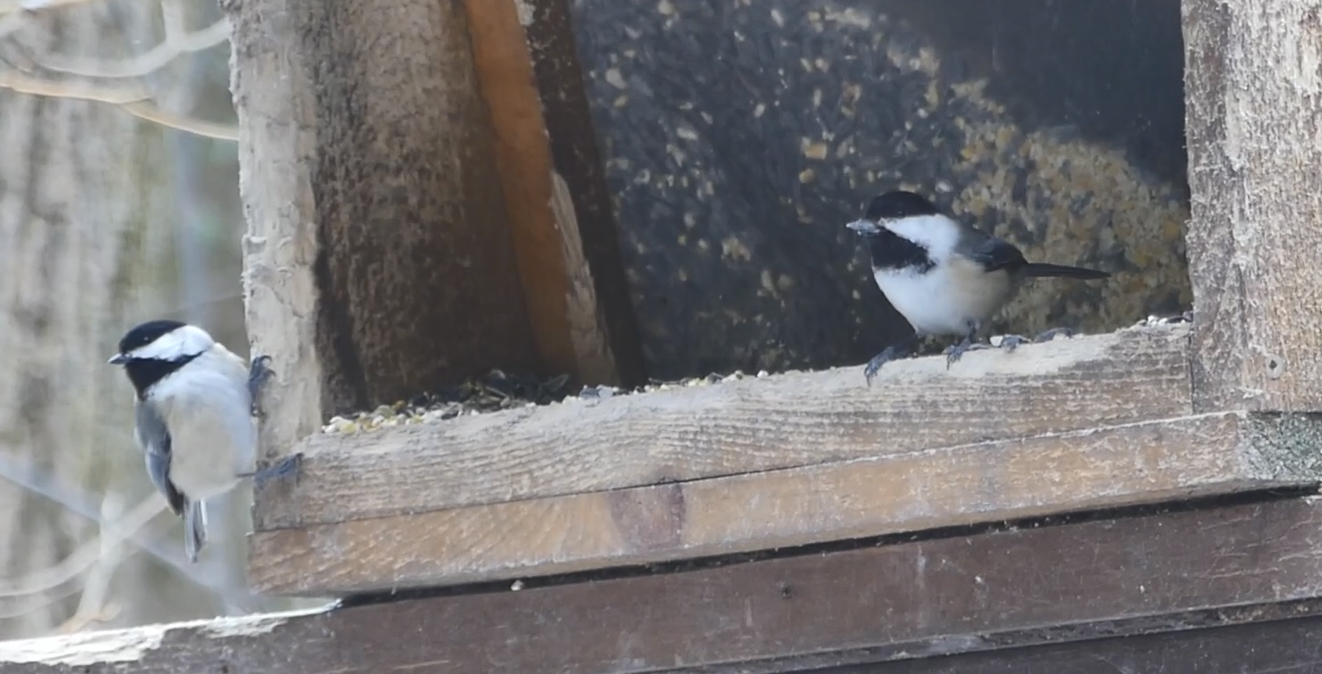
(146, 333)
(899, 204)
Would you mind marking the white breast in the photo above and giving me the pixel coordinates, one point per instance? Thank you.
(950, 299)
(206, 408)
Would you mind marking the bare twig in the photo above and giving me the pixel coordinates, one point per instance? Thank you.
(92, 605)
(198, 127)
(132, 100)
(18, 6)
(23, 84)
(28, 478)
(147, 62)
(89, 553)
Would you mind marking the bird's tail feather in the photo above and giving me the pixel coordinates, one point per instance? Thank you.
(195, 528)
(1043, 269)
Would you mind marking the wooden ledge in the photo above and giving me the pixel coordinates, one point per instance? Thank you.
(1129, 464)
(747, 426)
(990, 593)
(757, 464)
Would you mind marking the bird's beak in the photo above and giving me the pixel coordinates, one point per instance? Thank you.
(864, 227)
(118, 359)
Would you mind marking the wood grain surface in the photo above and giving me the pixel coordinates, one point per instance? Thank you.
(276, 140)
(1255, 242)
(1288, 644)
(984, 482)
(992, 593)
(754, 425)
(568, 324)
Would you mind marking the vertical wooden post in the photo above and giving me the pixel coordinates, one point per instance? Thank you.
(1254, 124)
(380, 242)
(273, 99)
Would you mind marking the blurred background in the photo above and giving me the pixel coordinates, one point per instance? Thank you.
(118, 203)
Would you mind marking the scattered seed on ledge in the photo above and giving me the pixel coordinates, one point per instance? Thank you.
(498, 391)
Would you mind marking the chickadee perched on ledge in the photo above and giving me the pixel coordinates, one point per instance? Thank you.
(943, 276)
(194, 417)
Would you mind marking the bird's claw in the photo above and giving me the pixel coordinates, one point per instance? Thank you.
(1012, 342)
(258, 374)
(286, 467)
(956, 351)
(887, 354)
(1052, 334)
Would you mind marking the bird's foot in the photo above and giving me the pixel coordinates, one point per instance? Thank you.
(956, 351)
(894, 352)
(258, 374)
(1052, 334)
(1012, 342)
(286, 467)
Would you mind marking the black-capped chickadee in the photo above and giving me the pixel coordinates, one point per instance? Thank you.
(195, 403)
(944, 276)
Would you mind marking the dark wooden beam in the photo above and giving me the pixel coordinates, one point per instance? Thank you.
(1255, 237)
(581, 178)
(1025, 585)
(1287, 643)
(564, 241)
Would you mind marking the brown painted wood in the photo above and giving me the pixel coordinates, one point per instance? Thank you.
(754, 425)
(1132, 464)
(581, 191)
(568, 320)
(1254, 237)
(1230, 564)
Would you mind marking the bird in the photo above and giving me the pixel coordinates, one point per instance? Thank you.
(944, 276)
(193, 417)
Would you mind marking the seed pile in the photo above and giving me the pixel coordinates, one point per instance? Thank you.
(496, 391)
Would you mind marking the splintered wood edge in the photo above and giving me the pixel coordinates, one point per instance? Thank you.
(1132, 464)
(751, 425)
(1235, 564)
(276, 137)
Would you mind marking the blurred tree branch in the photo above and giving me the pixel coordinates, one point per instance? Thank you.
(133, 98)
(89, 208)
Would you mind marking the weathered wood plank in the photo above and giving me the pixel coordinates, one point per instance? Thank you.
(1255, 238)
(569, 323)
(1275, 647)
(392, 271)
(276, 141)
(738, 427)
(986, 482)
(1233, 564)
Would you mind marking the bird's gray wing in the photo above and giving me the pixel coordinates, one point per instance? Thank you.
(990, 252)
(154, 438)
